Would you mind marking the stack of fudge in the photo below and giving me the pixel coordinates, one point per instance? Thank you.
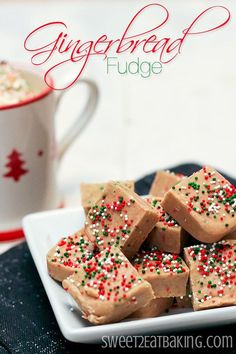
(131, 259)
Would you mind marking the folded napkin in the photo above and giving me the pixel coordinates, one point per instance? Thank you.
(27, 323)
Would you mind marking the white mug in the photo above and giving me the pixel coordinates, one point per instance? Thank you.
(29, 153)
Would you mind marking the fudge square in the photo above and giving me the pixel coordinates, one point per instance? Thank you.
(163, 181)
(167, 235)
(212, 274)
(107, 288)
(167, 273)
(121, 218)
(66, 256)
(154, 308)
(204, 204)
(91, 192)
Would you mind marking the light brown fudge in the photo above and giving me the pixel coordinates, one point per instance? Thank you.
(231, 236)
(154, 308)
(121, 218)
(167, 273)
(204, 204)
(184, 302)
(108, 288)
(212, 274)
(167, 235)
(91, 192)
(163, 181)
(66, 256)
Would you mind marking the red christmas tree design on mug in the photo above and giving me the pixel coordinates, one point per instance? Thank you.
(15, 165)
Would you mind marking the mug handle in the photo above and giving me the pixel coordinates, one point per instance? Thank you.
(82, 119)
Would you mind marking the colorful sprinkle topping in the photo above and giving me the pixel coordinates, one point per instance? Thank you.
(156, 261)
(110, 222)
(72, 251)
(209, 194)
(216, 266)
(110, 274)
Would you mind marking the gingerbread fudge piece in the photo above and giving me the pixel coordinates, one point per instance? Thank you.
(167, 273)
(107, 288)
(64, 258)
(212, 274)
(204, 204)
(167, 235)
(154, 308)
(163, 181)
(91, 192)
(121, 218)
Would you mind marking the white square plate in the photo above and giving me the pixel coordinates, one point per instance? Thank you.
(42, 231)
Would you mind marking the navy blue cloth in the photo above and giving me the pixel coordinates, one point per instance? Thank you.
(27, 323)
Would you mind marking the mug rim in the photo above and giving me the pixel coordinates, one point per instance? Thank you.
(43, 93)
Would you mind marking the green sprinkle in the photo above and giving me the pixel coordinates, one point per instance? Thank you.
(194, 185)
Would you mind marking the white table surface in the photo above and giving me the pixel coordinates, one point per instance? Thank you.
(185, 114)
